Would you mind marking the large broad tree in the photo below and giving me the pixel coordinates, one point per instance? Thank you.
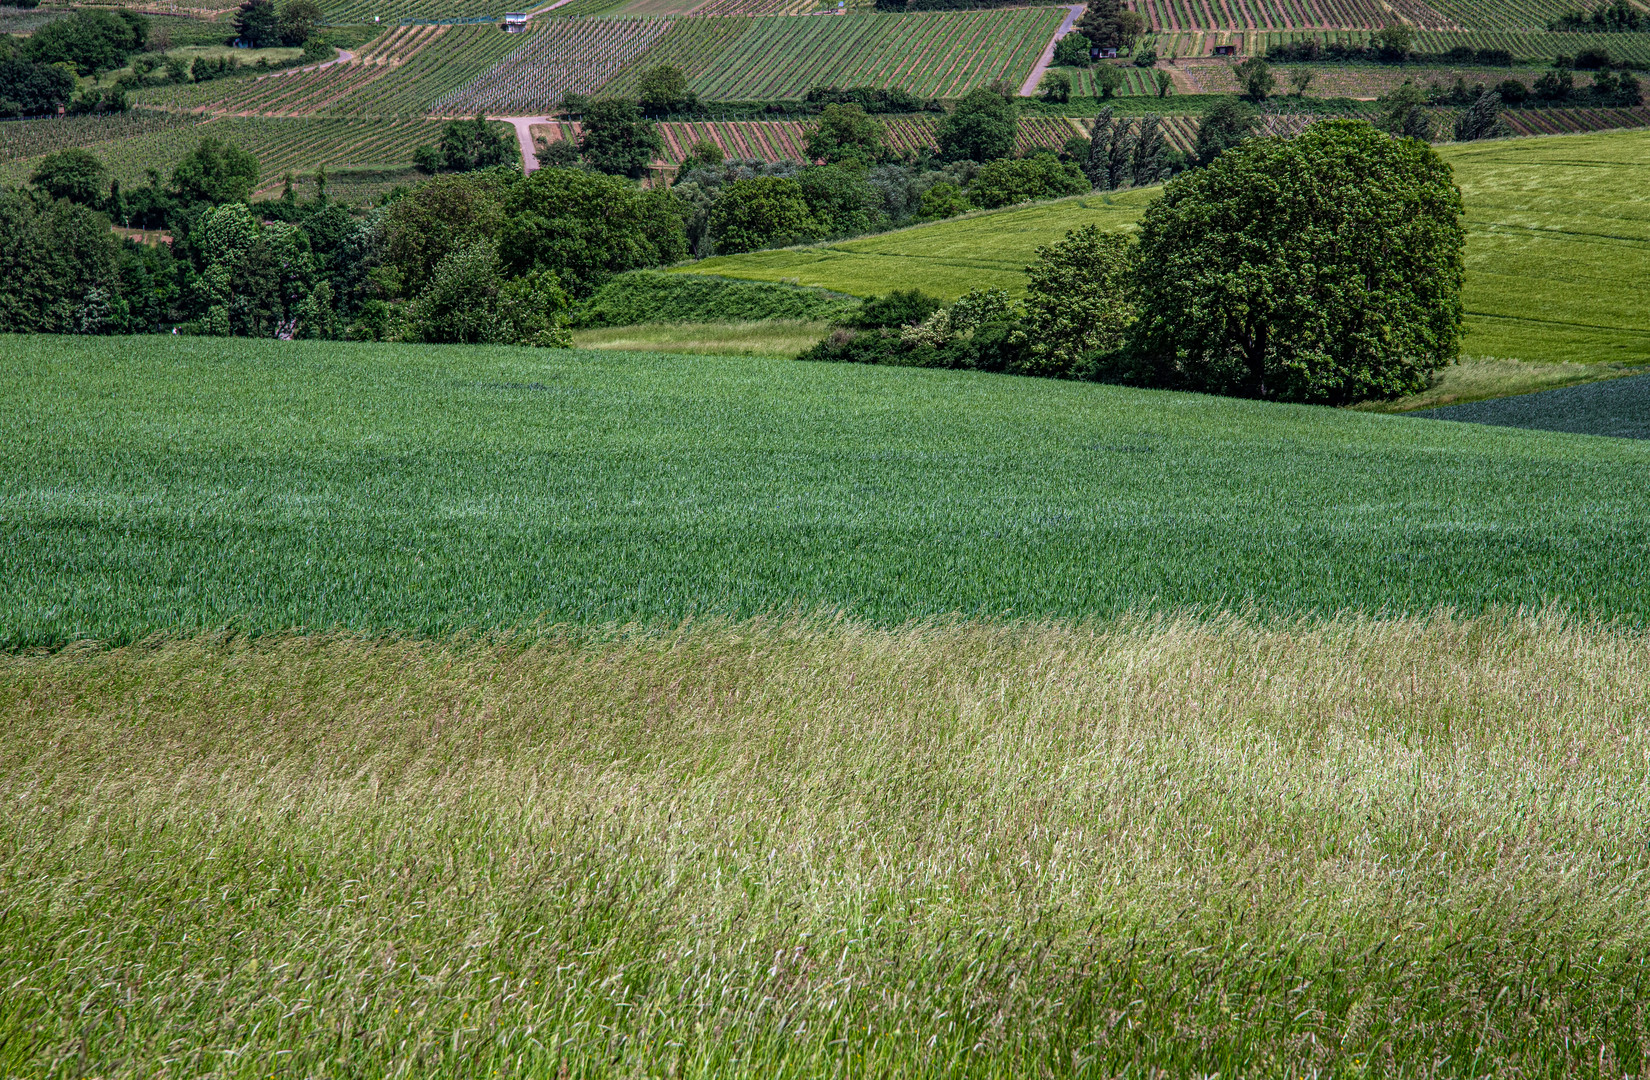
(586, 227)
(1077, 302)
(1325, 268)
(1223, 127)
(616, 140)
(761, 212)
(846, 135)
(74, 174)
(257, 24)
(980, 128)
(214, 172)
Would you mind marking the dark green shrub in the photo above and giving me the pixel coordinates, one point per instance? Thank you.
(902, 307)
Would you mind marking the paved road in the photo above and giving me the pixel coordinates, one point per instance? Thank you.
(1619, 407)
(1030, 88)
(524, 137)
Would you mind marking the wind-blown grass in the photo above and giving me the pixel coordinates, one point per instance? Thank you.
(815, 848)
(169, 484)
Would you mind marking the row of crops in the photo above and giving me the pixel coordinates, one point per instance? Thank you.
(1172, 15)
(932, 54)
(786, 140)
(44, 135)
(756, 7)
(280, 145)
(403, 76)
(1137, 82)
(560, 56)
(1505, 14)
(1364, 81)
(392, 12)
(693, 45)
(1570, 121)
(1540, 45)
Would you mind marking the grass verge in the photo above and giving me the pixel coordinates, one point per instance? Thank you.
(781, 338)
(800, 848)
(1478, 378)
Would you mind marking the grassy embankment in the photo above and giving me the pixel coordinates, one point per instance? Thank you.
(1359, 848)
(1558, 233)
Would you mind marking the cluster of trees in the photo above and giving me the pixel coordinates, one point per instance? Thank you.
(1618, 17)
(38, 74)
(1107, 24)
(465, 146)
(259, 24)
(470, 255)
(1392, 44)
(1325, 268)
(484, 256)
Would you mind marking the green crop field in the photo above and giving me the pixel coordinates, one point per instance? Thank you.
(167, 484)
(931, 54)
(1558, 235)
(279, 144)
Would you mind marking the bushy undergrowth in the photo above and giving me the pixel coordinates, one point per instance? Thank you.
(645, 296)
(1170, 847)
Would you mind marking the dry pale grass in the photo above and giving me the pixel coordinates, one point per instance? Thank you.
(1384, 847)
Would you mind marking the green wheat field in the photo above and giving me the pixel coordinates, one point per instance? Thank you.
(193, 485)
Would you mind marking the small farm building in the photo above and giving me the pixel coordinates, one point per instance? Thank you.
(1225, 50)
(515, 22)
(1107, 53)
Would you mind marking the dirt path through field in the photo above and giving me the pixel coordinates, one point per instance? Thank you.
(1072, 15)
(524, 137)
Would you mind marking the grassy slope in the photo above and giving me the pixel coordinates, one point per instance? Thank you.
(1559, 233)
(165, 483)
(795, 851)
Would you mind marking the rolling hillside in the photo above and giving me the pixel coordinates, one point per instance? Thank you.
(1558, 236)
(180, 484)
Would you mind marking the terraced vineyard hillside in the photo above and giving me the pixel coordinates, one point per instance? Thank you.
(933, 54)
(400, 74)
(562, 55)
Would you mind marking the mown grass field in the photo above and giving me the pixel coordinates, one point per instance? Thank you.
(1558, 236)
(167, 485)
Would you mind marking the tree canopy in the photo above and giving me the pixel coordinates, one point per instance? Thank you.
(214, 172)
(74, 174)
(980, 128)
(616, 140)
(763, 211)
(1324, 268)
(845, 134)
(587, 227)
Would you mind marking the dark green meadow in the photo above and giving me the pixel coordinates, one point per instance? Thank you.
(183, 485)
